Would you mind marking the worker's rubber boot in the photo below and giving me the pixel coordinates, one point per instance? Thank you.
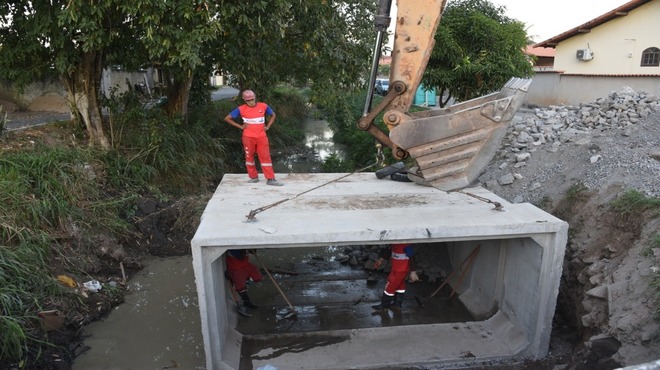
(385, 303)
(243, 310)
(398, 300)
(246, 300)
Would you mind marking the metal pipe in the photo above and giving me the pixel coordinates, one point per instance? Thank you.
(381, 23)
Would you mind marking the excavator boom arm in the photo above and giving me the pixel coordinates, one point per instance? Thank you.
(416, 23)
(451, 146)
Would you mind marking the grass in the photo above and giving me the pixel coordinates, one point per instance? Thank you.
(24, 279)
(343, 117)
(56, 199)
(576, 193)
(633, 203)
(655, 275)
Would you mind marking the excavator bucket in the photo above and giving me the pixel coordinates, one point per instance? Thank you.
(453, 146)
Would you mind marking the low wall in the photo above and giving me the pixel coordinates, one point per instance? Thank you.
(49, 95)
(554, 88)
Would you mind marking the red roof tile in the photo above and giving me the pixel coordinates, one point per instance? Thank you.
(540, 52)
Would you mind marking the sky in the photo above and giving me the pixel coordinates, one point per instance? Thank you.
(549, 18)
(546, 19)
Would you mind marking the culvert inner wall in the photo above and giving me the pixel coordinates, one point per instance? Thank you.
(510, 289)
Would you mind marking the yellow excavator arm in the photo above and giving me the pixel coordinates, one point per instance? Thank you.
(451, 146)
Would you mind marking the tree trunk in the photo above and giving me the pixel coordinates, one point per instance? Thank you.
(444, 102)
(178, 95)
(83, 86)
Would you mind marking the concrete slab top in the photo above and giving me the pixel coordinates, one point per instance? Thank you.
(334, 209)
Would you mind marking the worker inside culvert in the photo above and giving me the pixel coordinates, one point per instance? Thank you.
(240, 271)
(401, 267)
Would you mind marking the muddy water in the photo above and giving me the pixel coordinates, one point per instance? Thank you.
(318, 141)
(159, 327)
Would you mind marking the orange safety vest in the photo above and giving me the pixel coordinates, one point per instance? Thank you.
(255, 118)
(237, 260)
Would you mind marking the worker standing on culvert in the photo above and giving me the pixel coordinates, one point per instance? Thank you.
(401, 264)
(255, 140)
(240, 270)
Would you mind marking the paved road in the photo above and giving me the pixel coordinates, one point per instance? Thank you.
(22, 120)
(224, 92)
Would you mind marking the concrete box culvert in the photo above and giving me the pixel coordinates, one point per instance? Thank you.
(510, 289)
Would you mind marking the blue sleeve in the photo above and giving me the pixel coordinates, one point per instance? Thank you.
(237, 253)
(269, 110)
(409, 251)
(235, 113)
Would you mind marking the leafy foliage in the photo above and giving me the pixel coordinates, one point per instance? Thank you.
(325, 44)
(23, 269)
(478, 48)
(54, 197)
(361, 148)
(152, 149)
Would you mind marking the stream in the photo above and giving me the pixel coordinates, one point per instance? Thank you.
(158, 326)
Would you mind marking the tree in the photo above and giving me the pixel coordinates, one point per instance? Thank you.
(478, 48)
(173, 35)
(260, 43)
(63, 39)
(325, 44)
(75, 40)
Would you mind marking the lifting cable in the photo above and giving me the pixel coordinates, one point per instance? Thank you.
(498, 205)
(380, 157)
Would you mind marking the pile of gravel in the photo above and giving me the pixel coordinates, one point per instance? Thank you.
(614, 140)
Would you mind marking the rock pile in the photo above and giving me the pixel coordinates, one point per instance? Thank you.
(561, 124)
(589, 125)
(365, 257)
(606, 146)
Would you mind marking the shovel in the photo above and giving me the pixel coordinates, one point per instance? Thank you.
(292, 312)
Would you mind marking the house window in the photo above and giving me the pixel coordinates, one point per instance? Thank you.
(651, 57)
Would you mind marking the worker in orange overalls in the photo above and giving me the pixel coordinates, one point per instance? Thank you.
(240, 270)
(401, 263)
(255, 140)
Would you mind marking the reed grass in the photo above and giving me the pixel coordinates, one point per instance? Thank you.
(54, 193)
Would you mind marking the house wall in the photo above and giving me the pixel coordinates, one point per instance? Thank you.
(617, 45)
(118, 81)
(553, 88)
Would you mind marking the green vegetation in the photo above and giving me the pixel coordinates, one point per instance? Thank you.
(576, 193)
(633, 203)
(343, 117)
(545, 203)
(655, 277)
(479, 49)
(634, 207)
(58, 199)
(44, 192)
(324, 44)
(3, 121)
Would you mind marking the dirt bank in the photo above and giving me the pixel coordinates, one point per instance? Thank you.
(607, 309)
(609, 290)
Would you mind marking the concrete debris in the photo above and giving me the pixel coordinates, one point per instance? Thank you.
(598, 149)
(555, 127)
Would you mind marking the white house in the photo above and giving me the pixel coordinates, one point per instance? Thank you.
(619, 48)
